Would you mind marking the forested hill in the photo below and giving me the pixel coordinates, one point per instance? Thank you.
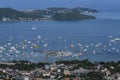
(78, 13)
(71, 17)
(8, 14)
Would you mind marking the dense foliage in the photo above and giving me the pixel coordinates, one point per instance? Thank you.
(84, 63)
(112, 66)
(71, 16)
(9, 14)
(92, 76)
(23, 65)
(15, 15)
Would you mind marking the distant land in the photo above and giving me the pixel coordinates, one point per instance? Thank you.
(9, 14)
(53, 13)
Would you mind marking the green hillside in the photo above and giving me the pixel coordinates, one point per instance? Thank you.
(71, 16)
(15, 15)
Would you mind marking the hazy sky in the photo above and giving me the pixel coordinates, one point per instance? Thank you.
(38, 4)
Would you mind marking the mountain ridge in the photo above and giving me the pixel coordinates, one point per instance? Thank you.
(52, 13)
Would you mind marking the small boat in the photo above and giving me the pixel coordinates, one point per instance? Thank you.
(33, 28)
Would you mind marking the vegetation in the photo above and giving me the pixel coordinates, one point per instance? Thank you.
(15, 15)
(92, 76)
(23, 65)
(54, 10)
(84, 63)
(113, 67)
(71, 16)
(9, 14)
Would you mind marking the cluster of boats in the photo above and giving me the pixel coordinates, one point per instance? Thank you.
(39, 47)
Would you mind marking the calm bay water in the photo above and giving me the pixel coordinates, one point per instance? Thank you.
(85, 32)
(99, 38)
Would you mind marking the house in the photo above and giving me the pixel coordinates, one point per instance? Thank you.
(81, 70)
(46, 74)
(66, 72)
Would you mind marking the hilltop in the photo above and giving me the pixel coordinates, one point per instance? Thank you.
(65, 14)
(9, 14)
(71, 16)
(54, 10)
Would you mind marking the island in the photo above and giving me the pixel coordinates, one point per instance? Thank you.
(64, 14)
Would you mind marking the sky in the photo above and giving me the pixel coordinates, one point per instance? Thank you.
(40, 4)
